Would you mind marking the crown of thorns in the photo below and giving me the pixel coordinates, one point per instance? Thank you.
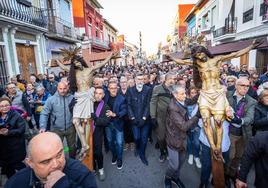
(71, 52)
(189, 42)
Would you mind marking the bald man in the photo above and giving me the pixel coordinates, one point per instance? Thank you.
(57, 108)
(47, 167)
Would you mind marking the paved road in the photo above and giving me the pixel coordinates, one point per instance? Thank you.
(136, 175)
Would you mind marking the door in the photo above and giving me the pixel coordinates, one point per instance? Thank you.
(3, 67)
(26, 59)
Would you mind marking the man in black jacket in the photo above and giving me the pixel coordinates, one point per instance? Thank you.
(48, 167)
(138, 101)
(100, 120)
(255, 152)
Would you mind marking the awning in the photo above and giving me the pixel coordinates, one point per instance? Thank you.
(224, 48)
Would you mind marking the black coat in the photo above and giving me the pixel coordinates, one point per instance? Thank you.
(256, 152)
(138, 103)
(13, 147)
(76, 175)
(260, 118)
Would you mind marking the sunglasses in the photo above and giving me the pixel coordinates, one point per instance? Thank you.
(230, 81)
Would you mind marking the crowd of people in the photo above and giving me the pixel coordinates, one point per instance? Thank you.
(130, 105)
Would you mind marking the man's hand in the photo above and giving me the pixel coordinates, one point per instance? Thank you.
(53, 177)
(93, 116)
(240, 184)
(4, 131)
(109, 113)
(42, 130)
(236, 120)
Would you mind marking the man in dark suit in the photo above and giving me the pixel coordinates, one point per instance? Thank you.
(114, 131)
(138, 101)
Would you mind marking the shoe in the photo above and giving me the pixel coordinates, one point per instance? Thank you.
(144, 161)
(178, 182)
(168, 182)
(119, 164)
(101, 174)
(191, 159)
(126, 146)
(114, 159)
(197, 162)
(162, 158)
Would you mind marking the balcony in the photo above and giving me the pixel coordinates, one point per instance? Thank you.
(226, 32)
(14, 9)
(97, 42)
(60, 28)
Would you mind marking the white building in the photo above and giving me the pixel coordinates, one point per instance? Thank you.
(231, 25)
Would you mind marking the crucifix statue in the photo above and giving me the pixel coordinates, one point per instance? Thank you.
(212, 99)
(80, 79)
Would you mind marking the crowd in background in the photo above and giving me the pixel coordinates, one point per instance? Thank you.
(137, 102)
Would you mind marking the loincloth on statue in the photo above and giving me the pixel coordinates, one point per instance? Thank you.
(214, 100)
(84, 105)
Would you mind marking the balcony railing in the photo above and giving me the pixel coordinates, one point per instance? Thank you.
(21, 12)
(99, 42)
(60, 27)
(229, 28)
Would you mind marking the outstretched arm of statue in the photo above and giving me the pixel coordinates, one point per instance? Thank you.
(239, 53)
(62, 66)
(99, 65)
(179, 61)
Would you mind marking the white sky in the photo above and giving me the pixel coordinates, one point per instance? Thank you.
(152, 17)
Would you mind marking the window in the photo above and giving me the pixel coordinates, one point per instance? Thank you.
(248, 15)
(248, 9)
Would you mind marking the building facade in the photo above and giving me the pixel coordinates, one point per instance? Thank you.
(90, 25)
(22, 43)
(61, 31)
(231, 25)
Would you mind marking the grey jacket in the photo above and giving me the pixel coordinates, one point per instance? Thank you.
(57, 108)
(248, 117)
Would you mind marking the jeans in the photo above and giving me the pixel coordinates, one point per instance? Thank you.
(193, 144)
(141, 138)
(206, 163)
(115, 140)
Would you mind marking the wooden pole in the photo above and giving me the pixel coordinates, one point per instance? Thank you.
(88, 160)
(217, 172)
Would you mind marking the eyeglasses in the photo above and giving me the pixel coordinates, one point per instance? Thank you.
(243, 85)
(51, 78)
(230, 81)
(4, 106)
